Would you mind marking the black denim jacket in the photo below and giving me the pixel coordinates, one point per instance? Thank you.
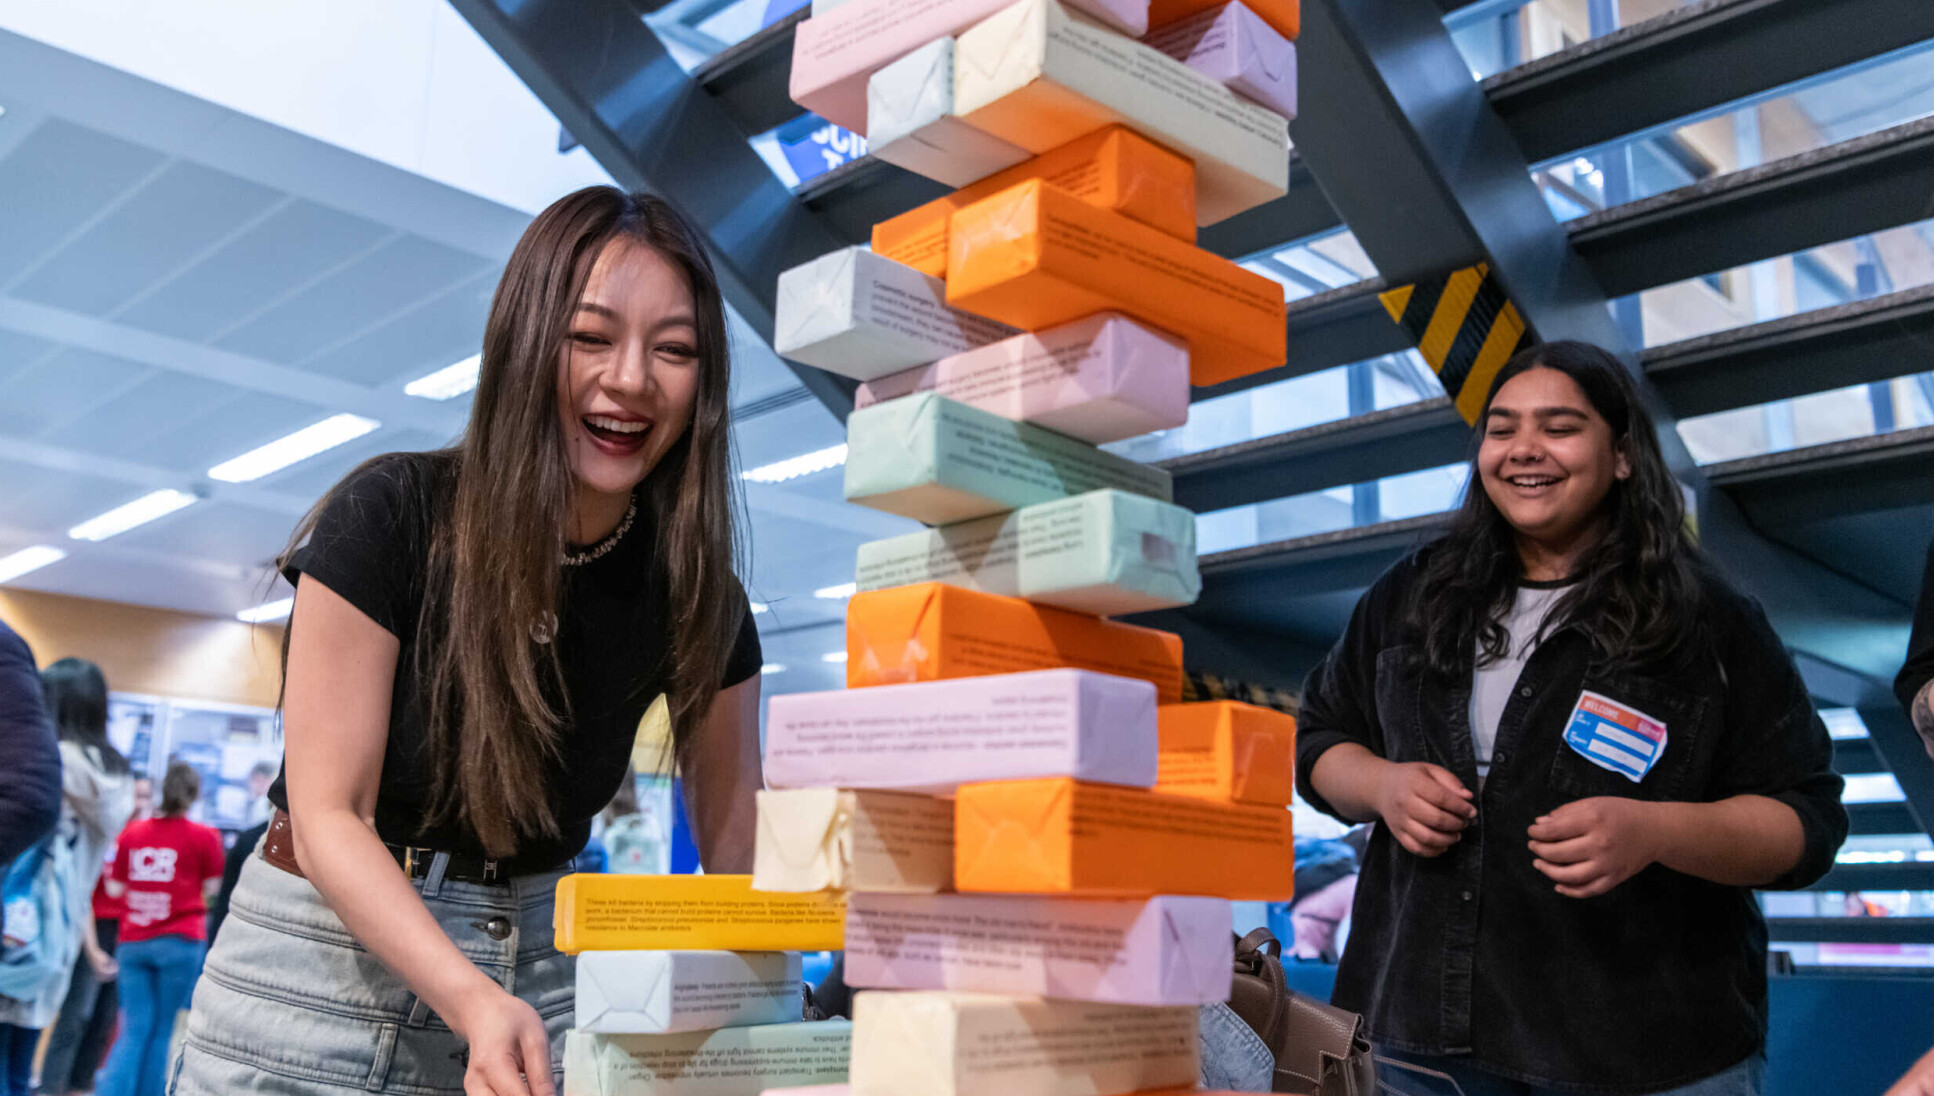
(1658, 983)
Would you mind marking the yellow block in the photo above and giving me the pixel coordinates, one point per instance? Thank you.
(1226, 751)
(1033, 256)
(665, 912)
(1061, 836)
(931, 631)
(1115, 169)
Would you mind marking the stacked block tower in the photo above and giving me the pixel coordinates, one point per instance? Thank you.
(1036, 842)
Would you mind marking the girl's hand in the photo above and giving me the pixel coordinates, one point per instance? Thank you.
(510, 1054)
(1426, 808)
(1592, 845)
(105, 968)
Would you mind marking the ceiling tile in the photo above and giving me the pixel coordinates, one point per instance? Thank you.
(56, 180)
(235, 427)
(446, 330)
(17, 352)
(52, 502)
(124, 425)
(353, 299)
(312, 478)
(219, 531)
(62, 388)
(175, 216)
(294, 245)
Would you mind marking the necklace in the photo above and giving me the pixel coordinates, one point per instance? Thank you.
(578, 559)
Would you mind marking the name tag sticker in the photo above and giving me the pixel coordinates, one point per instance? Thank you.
(1615, 736)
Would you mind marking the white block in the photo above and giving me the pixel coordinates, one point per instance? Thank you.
(656, 992)
(738, 1061)
(1036, 75)
(818, 839)
(910, 121)
(857, 314)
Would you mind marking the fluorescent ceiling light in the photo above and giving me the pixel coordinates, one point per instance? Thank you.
(297, 447)
(837, 593)
(773, 668)
(139, 512)
(759, 607)
(805, 464)
(29, 559)
(835, 656)
(447, 383)
(273, 610)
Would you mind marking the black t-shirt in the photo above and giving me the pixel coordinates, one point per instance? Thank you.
(1919, 668)
(371, 546)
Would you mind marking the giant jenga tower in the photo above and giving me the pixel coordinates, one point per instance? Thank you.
(1036, 841)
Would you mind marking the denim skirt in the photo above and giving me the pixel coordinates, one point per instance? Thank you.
(289, 1003)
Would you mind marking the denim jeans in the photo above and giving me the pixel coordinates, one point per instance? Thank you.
(1234, 1057)
(1464, 1079)
(293, 1005)
(157, 977)
(16, 1058)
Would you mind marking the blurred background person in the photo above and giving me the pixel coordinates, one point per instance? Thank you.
(165, 873)
(30, 780)
(97, 795)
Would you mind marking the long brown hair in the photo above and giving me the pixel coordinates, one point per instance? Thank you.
(490, 693)
(180, 787)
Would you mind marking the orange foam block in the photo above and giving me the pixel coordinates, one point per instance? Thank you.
(1285, 15)
(1062, 836)
(1227, 751)
(931, 631)
(1032, 256)
(1114, 169)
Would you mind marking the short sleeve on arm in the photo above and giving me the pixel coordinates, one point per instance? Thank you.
(747, 656)
(370, 542)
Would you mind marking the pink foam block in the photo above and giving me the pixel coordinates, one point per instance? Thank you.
(1233, 46)
(1167, 950)
(934, 736)
(835, 54)
(1099, 379)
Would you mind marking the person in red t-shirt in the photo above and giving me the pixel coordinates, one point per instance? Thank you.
(165, 872)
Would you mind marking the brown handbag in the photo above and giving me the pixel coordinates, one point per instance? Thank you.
(1320, 1050)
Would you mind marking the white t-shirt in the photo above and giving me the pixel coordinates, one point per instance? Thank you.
(1491, 685)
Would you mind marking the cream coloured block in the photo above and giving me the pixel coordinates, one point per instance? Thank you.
(1039, 77)
(910, 121)
(976, 1044)
(857, 314)
(829, 839)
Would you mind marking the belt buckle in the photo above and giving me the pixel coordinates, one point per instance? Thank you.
(490, 871)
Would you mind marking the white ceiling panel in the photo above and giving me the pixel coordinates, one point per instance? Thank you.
(177, 215)
(222, 532)
(787, 432)
(164, 583)
(441, 332)
(45, 501)
(17, 352)
(55, 182)
(61, 388)
(125, 425)
(293, 246)
(230, 429)
(318, 474)
(353, 299)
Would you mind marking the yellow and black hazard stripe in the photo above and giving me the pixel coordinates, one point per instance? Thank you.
(1200, 686)
(1466, 329)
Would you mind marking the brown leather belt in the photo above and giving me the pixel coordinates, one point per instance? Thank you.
(278, 848)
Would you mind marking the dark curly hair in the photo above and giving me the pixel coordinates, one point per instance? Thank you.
(1638, 594)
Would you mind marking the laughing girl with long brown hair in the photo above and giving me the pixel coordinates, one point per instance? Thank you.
(477, 633)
